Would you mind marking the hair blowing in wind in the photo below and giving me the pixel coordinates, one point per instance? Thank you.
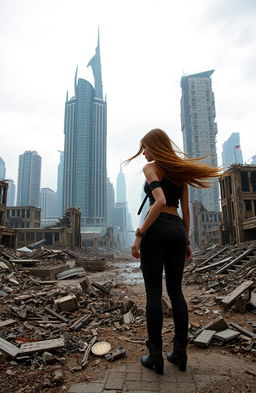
(176, 165)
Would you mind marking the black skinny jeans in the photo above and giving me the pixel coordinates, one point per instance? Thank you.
(164, 245)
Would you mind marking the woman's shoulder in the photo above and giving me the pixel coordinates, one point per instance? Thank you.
(151, 167)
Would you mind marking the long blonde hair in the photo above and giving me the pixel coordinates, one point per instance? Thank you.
(176, 165)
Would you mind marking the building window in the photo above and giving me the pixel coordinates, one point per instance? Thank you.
(56, 236)
(245, 181)
(248, 205)
(253, 180)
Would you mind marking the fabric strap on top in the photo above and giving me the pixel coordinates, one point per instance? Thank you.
(154, 184)
(142, 205)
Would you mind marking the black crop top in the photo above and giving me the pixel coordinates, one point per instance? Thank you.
(172, 191)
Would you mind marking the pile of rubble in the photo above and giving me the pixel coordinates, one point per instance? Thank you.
(227, 275)
(44, 321)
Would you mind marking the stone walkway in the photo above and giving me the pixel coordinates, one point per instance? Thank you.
(136, 379)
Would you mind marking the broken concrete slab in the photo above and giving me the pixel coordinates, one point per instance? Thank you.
(204, 338)
(242, 330)
(8, 348)
(227, 300)
(217, 324)
(66, 303)
(226, 335)
(45, 272)
(76, 271)
(41, 346)
(7, 322)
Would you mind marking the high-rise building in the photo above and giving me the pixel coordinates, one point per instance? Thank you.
(120, 216)
(29, 179)
(199, 130)
(110, 202)
(120, 187)
(231, 151)
(85, 128)
(47, 202)
(2, 169)
(59, 192)
(11, 192)
(253, 160)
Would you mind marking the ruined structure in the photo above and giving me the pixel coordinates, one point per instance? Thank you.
(23, 216)
(66, 233)
(7, 236)
(238, 201)
(206, 226)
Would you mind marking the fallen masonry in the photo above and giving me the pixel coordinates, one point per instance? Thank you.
(230, 288)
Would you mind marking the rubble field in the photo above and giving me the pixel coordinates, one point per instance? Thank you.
(56, 304)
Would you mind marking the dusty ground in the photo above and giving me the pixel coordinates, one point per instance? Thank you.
(20, 378)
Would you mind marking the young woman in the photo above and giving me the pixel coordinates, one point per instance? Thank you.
(162, 240)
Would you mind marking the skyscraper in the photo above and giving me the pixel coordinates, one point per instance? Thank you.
(29, 179)
(47, 202)
(11, 193)
(59, 192)
(120, 187)
(85, 128)
(110, 202)
(2, 169)
(231, 151)
(199, 130)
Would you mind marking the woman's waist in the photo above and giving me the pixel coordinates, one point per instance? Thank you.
(170, 210)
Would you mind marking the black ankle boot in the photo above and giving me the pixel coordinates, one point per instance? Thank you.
(154, 359)
(179, 354)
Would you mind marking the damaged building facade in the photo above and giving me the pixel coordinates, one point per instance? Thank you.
(8, 237)
(206, 225)
(238, 201)
(66, 233)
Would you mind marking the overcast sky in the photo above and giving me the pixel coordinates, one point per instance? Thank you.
(146, 46)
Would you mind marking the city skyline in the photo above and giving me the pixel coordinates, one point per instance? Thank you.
(142, 71)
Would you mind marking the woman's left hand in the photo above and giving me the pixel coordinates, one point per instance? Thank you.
(188, 254)
(135, 250)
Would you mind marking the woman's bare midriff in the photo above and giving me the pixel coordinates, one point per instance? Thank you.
(170, 210)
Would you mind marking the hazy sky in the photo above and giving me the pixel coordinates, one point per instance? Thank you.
(146, 46)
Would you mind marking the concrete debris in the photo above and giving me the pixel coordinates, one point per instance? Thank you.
(237, 292)
(227, 277)
(48, 311)
(67, 303)
(115, 353)
(204, 338)
(226, 335)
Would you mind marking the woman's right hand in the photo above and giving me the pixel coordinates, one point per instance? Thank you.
(135, 251)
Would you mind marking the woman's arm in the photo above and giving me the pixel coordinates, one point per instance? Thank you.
(185, 208)
(151, 175)
(186, 217)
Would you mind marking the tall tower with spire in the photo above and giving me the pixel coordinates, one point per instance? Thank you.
(120, 186)
(85, 128)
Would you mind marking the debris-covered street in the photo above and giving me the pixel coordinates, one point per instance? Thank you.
(57, 304)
